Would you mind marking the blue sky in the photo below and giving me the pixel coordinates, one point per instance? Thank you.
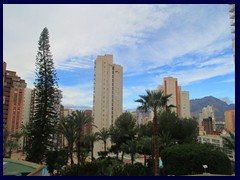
(190, 42)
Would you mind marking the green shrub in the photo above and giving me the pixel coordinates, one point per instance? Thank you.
(187, 159)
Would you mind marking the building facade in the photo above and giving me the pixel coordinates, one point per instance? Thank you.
(207, 125)
(230, 120)
(207, 113)
(107, 95)
(179, 98)
(144, 117)
(232, 17)
(13, 100)
(217, 140)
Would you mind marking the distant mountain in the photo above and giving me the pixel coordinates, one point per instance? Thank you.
(129, 109)
(226, 99)
(76, 107)
(196, 106)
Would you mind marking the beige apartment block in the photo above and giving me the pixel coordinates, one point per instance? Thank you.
(179, 98)
(107, 95)
(230, 120)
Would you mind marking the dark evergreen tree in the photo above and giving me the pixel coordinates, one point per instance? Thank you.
(47, 103)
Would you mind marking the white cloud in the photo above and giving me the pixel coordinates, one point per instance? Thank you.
(227, 81)
(142, 39)
(192, 75)
(78, 95)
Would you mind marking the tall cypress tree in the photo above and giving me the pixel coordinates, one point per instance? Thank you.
(46, 115)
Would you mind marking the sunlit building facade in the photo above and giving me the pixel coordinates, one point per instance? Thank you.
(107, 95)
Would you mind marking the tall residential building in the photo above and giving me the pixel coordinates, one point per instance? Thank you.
(230, 120)
(232, 17)
(207, 125)
(179, 98)
(27, 105)
(67, 111)
(26, 110)
(107, 95)
(88, 128)
(206, 113)
(13, 93)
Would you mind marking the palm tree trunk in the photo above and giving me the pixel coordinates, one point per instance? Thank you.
(10, 153)
(145, 159)
(122, 155)
(23, 150)
(156, 144)
(71, 154)
(92, 151)
(78, 153)
(105, 146)
(117, 155)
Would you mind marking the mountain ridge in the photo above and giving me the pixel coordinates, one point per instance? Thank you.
(196, 105)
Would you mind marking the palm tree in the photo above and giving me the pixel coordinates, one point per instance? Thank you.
(66, 127)
(91, 138)
(17, 135)
(25, 133)
(166, 139)
(5, 137)
(130, 147)
(115, 136)
(103, 135)
(230, 141)
(155, 101)
(81, 120)
(11, 144)
(145, 145)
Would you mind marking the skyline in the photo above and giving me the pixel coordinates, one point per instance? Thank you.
(192, 43)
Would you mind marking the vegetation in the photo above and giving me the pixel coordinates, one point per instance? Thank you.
(90, 139)
(17, 135)
(25, 133)
(173, 129)
(106, 167)
(11, 145)
(123, 130)
(81, 120)
(42, 126)
(229, 142)
(155, 101)
(56, 160)
(188, 159)
(103, 135)
(5, 137)
(66, 128)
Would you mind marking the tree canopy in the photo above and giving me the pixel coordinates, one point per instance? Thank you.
(46, 103)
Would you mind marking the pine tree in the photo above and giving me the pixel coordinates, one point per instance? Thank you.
(46, 115)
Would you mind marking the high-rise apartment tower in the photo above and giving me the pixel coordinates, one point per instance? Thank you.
(179, 98)
(230, 120)
(13, 99)
(107, 95)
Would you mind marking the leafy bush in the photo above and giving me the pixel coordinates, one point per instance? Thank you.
(56, 160)
(107, 167)
(189, 159)
(99, 167)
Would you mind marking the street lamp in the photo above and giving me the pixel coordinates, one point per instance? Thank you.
(205, 168)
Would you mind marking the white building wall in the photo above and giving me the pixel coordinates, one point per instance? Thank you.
(184, 105)
(107, 98)
(26, 110)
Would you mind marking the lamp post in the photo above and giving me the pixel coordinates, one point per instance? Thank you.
(205, 168)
